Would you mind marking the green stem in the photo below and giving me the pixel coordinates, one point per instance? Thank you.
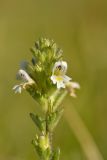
(51, 105)
(48, 133)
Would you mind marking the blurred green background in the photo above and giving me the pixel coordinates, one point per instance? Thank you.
(80, 29)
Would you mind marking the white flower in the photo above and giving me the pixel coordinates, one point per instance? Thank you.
(27, 80)
(17, 88)
(24, 76)
(71, 86)
(75, 85)
(58, 74)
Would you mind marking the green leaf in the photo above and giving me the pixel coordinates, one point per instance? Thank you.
(53, 119)
(56, 154)
(58, 117)
(38, 150)
(47, 154)
(50, 121)
(40, 123)
(57, 98)
(44, 154)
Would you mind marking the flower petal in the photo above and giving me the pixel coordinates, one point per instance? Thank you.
(53, 78)
(66, 79)
(75, 85)
(64, 64)
(60, 84)
(17, 88)
(71, 87)
(23, 74)
(60, 67)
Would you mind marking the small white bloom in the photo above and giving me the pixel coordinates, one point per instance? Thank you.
(58, 74)
(71, 86)
(75, 85)
(27, 80)
(25, 77)
(17, 88)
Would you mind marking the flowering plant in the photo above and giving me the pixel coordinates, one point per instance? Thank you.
(45, 79)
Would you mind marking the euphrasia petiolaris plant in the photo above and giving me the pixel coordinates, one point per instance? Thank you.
(45, 79)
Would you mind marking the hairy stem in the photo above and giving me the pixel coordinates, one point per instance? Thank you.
(48, 133)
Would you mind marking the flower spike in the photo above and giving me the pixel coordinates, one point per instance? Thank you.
(38, 76)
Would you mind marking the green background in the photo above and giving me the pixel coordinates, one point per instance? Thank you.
(80, 29)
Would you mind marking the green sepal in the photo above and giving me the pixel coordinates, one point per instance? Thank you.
(56, 154)
(53, 119)
(40, 123)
